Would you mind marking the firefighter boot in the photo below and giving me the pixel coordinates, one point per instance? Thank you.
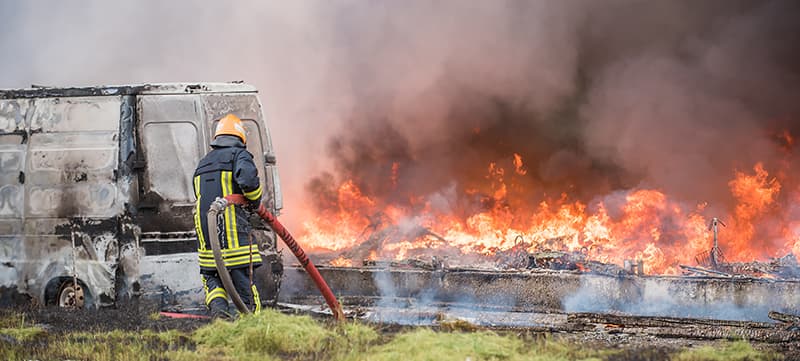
(218, 308)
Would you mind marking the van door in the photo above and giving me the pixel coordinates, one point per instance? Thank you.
(259, 144)
(170, 141)
(73, 202)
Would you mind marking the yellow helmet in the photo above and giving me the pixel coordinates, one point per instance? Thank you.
(231, 125)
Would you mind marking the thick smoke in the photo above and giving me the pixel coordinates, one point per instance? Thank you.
(674, 95)
(596, 96)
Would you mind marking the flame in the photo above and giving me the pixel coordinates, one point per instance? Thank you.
(518, 165)
(755, 194)
(395, 176)
(341, 261)
(636, 224)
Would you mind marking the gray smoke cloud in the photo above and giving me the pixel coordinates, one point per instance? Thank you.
(596, 96)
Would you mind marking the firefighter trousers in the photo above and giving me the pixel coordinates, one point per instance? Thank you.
(217, 298)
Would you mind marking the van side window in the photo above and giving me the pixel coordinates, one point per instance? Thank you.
(172, 155)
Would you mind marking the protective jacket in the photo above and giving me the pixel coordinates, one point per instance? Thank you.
(227, 169)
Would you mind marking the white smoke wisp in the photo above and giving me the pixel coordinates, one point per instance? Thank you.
(643, 297)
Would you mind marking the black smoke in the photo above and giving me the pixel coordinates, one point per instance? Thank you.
(595, 96)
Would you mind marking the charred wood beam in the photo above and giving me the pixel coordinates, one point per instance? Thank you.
(687, 327)
(784, 317)
(705, 271)
(655, 321)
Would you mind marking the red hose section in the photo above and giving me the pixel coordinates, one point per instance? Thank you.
(182, 315)
(287, 238)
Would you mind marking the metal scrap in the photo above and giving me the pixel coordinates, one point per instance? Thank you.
(785, 267)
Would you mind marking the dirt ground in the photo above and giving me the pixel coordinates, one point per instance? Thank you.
(133, 316)
(139, 316)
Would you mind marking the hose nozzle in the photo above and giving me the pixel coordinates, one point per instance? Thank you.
(218, 205)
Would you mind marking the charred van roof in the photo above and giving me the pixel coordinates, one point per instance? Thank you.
(134, 89)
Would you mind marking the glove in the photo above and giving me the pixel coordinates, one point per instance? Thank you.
(252, 206)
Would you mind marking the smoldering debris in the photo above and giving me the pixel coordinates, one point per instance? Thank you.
(785, 267)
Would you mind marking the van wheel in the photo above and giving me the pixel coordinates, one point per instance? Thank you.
(70, 295)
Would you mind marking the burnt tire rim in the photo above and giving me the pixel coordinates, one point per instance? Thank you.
(71, 296)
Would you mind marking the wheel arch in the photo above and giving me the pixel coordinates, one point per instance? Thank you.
(54, 285)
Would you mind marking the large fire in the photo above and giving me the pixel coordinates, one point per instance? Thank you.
(636, 224)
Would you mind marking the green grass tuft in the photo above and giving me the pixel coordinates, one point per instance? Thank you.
(16, 327)
(425, 344)
(269, 332)
(23, 334)
(731, 351)
(351, 342)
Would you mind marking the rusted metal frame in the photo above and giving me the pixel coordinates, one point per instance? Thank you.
(46, 92)
(128, 150)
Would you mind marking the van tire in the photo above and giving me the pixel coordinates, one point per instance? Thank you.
(70, 295)
(60, 292)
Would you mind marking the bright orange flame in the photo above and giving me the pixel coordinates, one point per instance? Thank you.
(755, 194)
(518, 165)
(637, 224)
(341, 262)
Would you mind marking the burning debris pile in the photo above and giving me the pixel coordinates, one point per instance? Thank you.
(500, 216)
(523, 255)
(633, 232)
(640, 233)
(712, 263)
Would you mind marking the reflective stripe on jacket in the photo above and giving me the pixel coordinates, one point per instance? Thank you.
(224, 171)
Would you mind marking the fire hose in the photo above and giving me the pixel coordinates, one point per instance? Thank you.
(218, 206)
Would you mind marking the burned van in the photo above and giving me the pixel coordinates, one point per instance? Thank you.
(96, 196)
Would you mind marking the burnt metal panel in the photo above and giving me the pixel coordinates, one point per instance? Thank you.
(169, 131)
(12, 179)
(47, 92)
(122, 90)
(70, 196)
(13, 146)
(72, 158)
(127, 136)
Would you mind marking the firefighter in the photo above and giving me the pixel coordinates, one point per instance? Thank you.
(228, 169)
